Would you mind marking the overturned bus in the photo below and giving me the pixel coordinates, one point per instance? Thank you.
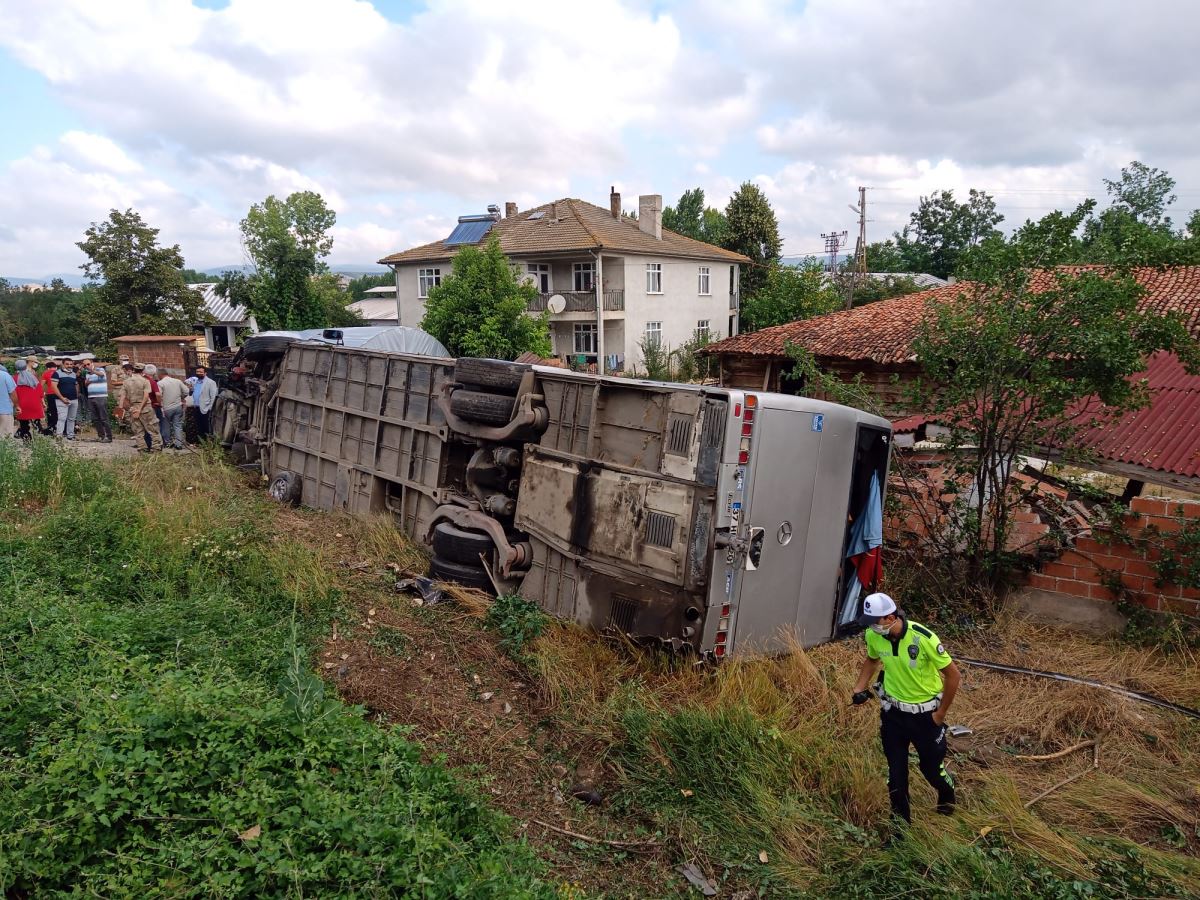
(712, 520)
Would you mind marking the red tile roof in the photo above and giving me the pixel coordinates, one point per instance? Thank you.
(574, 225)
(883, 332)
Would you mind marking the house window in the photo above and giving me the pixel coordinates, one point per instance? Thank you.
(585, 276)
(539, 274)
(585, 337)
(703, 332)
(654, 334)
(426, 279)
(703, 286)
(653, 278)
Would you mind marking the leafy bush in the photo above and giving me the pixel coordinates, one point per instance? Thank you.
(176, 783)
(519, 622)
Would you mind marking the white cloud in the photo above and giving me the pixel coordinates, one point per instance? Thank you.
(194, 114)
(53, 194)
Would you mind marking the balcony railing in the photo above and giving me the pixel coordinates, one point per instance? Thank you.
(580, 301)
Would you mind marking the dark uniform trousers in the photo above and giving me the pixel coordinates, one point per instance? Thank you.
(898, 730)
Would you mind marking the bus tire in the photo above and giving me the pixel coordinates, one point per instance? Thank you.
(484, 408)
(461, 573)
(285, 488)
(491, 374)
(456, 544)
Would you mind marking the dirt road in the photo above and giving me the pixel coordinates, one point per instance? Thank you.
(121, 446)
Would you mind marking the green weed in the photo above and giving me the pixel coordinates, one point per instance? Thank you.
(518, 621)
(161, 729)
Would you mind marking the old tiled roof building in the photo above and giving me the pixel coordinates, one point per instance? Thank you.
(1158, 443)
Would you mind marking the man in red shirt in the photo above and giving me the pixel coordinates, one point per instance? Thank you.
(51, 405)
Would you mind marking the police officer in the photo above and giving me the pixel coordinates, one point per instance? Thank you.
(916, 688)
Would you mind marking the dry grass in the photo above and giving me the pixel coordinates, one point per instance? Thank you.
(819, 748)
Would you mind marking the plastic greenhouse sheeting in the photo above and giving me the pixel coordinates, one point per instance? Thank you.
(388, 338)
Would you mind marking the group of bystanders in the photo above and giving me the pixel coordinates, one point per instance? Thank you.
(64, 396)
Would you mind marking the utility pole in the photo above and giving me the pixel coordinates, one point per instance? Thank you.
(860, 249)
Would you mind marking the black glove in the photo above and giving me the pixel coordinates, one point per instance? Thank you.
(860, 698)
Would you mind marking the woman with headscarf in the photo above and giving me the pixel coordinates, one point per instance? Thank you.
(29, 399)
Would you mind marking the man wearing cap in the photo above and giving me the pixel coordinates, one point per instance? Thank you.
(135, 395)
(916, 688)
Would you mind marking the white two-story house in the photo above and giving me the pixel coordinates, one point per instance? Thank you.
(610, 282)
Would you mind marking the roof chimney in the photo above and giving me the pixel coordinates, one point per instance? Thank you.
(650, 215)
(510, 209)
(614, 202)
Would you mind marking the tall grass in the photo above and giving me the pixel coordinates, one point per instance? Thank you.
(160, 732)
(767, 756)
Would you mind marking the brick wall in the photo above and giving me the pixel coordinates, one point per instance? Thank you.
(1096, 561)
(165, 354)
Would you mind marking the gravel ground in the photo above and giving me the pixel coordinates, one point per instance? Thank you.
(122, 446)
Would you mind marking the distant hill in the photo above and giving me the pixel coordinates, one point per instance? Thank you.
(72, 279)
(77, 280)
(352, 269)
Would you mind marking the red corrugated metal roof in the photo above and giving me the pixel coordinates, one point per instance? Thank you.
(883, 332)
(910, 424)
(1164, 436)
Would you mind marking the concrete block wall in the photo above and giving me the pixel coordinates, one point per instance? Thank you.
(1093, 564)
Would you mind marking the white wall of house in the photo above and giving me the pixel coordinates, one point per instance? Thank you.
(679, 308)
(412, 307)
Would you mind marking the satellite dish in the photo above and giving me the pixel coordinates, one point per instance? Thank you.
(556, 304)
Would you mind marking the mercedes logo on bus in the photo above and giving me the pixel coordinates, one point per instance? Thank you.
(785, 533)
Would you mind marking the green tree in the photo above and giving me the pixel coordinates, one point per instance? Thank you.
(14, 331)
(868, 290)
(480, 309)
(1012, 367)
(359, 286)
(789, 294)
(690, 217)
(941, 230)
(1143, 192)
(141, 288)
(885, 256)
(194, 276)
(1135, 230)
(288, 241)
(333, 302)
(753, 230)
(686, 216)
(713, 227)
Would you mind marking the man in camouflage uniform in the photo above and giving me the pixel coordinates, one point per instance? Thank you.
(135, 396)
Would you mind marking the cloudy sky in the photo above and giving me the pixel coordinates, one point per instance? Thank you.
(404, 115)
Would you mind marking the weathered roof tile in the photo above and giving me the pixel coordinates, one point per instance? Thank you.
(883, 332)
(573, 225)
